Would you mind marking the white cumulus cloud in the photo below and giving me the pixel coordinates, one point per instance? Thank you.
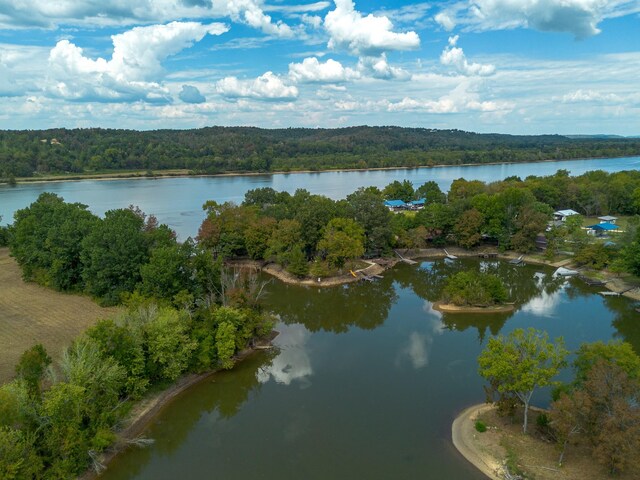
(378, 67)
(312, 70)
(266, 87)
(49, 14)
(454, 56)
(134, 68)
(364, 35)
(579, 17)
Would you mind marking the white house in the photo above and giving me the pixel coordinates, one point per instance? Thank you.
(562, 215)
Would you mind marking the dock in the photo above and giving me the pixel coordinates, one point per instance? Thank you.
(594, 282)
(449, 256)
(405, 260)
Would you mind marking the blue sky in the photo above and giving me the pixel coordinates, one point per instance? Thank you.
(509, 66)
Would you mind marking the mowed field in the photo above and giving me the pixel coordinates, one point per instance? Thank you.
(31, 314)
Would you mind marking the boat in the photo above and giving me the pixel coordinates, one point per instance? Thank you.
(564, 272)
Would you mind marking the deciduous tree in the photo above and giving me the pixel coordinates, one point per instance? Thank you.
(521, 362)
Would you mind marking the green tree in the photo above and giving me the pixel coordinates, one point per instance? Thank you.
(283, 239)
(468, 228)
(297, 263)
(18, 455)
(124, 343)
(521, 362)
(47, 241)
(342, 239)
(31, 367)
(431, 192)
(367, 208)
(168, 271)
(615, 352)
(257, 236)
(398, 190)
(112, 255)
(471, 288)
(168, 344)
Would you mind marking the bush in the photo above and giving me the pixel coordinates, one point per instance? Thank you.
(481, 426)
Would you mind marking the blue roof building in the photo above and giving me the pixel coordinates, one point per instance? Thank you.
(604, 227)
(394, 204)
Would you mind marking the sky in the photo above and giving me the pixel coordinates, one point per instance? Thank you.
(506, 66)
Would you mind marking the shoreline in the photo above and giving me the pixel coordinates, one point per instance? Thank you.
(379, 266)
(465, 440)
(147, 409)
(183, 173)
(450, 308)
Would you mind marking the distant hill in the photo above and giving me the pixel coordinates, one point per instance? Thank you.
(248, 149)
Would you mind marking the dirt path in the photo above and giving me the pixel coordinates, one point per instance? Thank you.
(465, 439)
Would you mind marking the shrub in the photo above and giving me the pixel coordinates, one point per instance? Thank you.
(481, 426)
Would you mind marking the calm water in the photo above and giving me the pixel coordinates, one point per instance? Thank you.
(178, 201)
(366, 381)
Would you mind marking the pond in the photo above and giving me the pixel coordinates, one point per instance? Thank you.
(365, 381)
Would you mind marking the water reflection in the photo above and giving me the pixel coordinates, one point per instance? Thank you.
(292, 362)
(334, 309)
(545, 304)
(418, 347)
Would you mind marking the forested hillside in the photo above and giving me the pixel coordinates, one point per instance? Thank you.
(246, 149)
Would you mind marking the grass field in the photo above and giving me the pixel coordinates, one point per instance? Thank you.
(31, 314)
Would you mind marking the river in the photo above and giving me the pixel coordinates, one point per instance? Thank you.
(178, 201)
(366, 380)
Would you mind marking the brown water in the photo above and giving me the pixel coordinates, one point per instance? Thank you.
(365, 383)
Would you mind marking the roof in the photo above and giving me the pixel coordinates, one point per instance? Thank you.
(420, 201)
(608, 218)
(604, 226)
(566, 213)
(394, 203)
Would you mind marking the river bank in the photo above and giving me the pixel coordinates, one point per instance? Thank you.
(503, 443)
(614, 282)
(173, 173)
(147, 409)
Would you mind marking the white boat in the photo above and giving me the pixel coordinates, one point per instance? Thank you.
(564, 272)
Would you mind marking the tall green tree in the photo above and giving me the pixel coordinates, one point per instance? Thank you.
(112, 255)
(31, 367)
(47, 241)
(342, 239)
(367, 208)
(430, 190)
(521, 362)
(398, 190)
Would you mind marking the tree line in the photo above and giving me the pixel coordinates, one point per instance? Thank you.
(246, 149)
(599, 407)
(312, 234)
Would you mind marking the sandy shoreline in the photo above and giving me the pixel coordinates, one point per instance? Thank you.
(465, 439)
(179, 173)
(448, 308)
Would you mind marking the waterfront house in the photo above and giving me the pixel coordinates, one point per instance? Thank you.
(562, 215)
(395, 205)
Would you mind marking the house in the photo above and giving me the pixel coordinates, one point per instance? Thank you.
(395, 205)
(417, 204)
(607, 219)
(562, 215)
(602, 228)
